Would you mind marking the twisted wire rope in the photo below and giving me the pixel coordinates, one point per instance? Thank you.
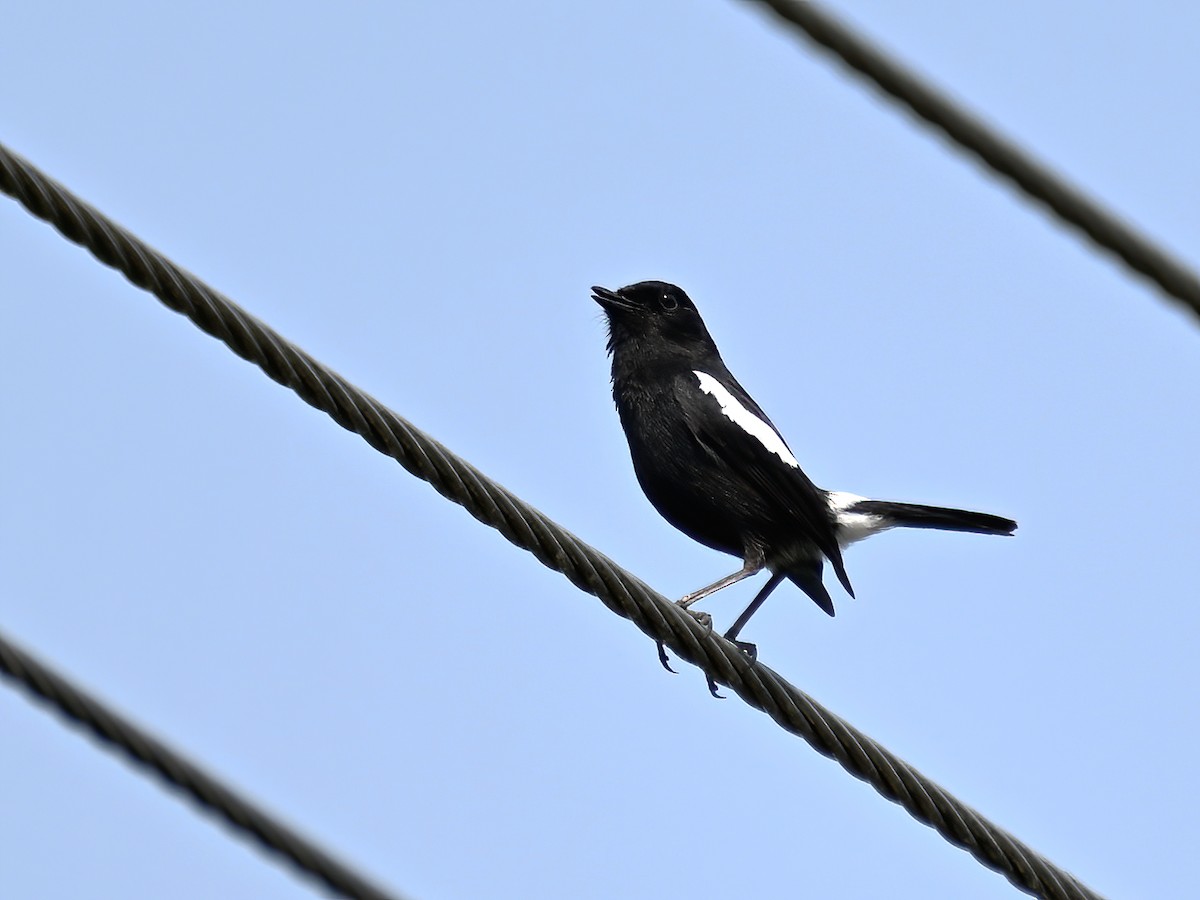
(1002, 155)
(150, 753)
(526, 527)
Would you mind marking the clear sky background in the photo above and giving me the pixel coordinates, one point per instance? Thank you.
(421, 195)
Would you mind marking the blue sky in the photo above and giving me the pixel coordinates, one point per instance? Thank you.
(421, 196)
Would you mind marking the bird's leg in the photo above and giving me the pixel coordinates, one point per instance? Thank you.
(752, 566)
(736, 628)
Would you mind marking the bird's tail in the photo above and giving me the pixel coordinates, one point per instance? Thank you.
(916, 515)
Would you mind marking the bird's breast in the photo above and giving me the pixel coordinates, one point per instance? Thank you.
(679, 477)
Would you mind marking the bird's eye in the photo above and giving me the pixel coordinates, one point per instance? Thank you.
(668, 302)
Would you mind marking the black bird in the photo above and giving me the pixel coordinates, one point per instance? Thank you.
(714, 466)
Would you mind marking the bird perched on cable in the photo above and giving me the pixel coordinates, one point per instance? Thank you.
(713, 465)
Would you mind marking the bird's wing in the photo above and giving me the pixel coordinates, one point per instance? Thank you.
(731, 427)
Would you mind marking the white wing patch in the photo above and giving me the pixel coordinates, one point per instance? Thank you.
(854, 526)
(746, 420)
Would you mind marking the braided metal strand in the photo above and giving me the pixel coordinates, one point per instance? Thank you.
(1002, 155)
(524, 526)
(150, 753)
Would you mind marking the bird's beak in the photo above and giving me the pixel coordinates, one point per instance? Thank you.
(611, 300)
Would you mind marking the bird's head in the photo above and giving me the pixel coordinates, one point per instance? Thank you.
(653, 314)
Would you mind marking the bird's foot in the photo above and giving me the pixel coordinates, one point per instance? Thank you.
(751, 651)
(706, 622)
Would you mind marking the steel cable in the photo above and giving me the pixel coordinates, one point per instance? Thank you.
(152, 754)
(524, 526)
(1002, 155)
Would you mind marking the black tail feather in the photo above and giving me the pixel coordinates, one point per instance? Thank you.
(915, 515)
(810, 583)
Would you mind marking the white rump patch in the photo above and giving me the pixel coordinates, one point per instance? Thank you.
(854, 526)
(746, 420)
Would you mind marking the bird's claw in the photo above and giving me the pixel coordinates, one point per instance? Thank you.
(663, 658)
(712, 687)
